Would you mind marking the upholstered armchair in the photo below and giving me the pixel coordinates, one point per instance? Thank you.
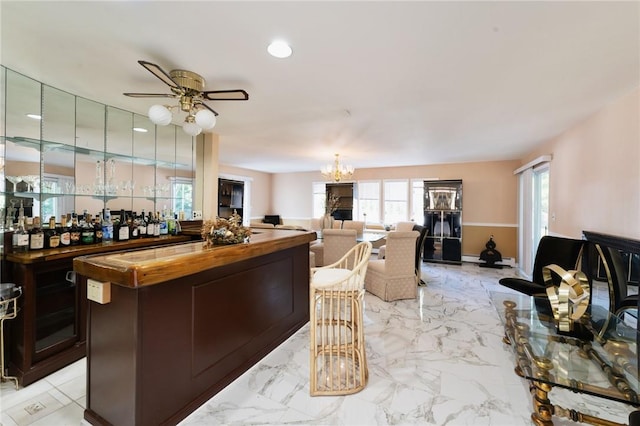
(354, 224)
(336, 243)
(400, 227)
(394, 277)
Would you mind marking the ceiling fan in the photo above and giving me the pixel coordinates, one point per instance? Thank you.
(188, 88)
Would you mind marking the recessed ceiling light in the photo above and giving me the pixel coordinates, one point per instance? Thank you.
(35, 116)
(279, 49)
(140, 129)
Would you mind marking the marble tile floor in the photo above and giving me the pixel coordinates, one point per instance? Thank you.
(436, 360)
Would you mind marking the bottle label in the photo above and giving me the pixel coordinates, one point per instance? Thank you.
(107, 232)
(74, 236)
(54, 241)
(123, 233)
(134, 233)
(163, 228)
(87, 237)
(151, 229)
(21, 240)
(36, 241)
(142, 230)
(65, 238)
(98, 235)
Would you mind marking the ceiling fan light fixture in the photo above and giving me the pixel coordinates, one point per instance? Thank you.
(279, 49)
(191, 128)
(160, 115)
(205, 119)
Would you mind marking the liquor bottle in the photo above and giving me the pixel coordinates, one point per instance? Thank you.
(65, 235)
(51, 236)
(156, 226)
(87, 232)
(133, 226)
(142, 225)
(36, 236)
(171, 223)
(75, 233)
(121, 230)
(107, 226)
(97, 228)
(151, 226)
(20, 237)
(164, 230)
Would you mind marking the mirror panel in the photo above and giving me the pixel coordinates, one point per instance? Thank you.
(23, 159)
(182, 190)
(165, 165)
(58, 147)
(118, 160)
(144, 145)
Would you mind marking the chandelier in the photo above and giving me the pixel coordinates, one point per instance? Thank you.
(337, 171)
(190, 100)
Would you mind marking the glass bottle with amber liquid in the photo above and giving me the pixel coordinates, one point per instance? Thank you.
(97, 229)
(36, 235)
(75, 232)
(51, 235)
(65, 235)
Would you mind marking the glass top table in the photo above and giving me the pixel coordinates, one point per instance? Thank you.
(598, 357)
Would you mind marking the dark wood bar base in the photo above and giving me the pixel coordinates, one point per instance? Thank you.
(50, 329)
(157, 352)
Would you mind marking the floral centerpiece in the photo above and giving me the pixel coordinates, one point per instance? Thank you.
(222, 231)
(332, 203)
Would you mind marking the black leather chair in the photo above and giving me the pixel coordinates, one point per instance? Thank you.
(616, 272)
(564, 252)
(419, 246)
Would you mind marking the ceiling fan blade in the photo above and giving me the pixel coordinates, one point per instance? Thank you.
(226, 95)
(160, 73)
(209, 108)
(149, 95)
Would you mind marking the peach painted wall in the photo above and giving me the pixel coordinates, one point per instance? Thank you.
(595, 173)
(489, 197)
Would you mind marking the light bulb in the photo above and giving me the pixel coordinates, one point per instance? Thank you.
(279, 49)
(205, 119)
(160, 115)
(191, 129)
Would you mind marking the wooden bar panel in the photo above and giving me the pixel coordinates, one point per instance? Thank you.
(156, 352)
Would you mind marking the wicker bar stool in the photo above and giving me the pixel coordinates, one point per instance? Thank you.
(338, 364)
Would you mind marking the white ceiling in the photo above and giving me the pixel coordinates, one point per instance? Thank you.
(383, 83)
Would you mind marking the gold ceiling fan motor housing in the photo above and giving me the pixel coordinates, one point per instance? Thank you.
(193, 85)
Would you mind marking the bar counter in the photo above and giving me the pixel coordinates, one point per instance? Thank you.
(183, 322)
(50, 329)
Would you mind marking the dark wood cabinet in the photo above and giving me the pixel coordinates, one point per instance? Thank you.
(230, 197)
(345, 193)
(443, 219)
(50, 329)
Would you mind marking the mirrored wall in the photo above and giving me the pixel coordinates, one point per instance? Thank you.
(61, 153)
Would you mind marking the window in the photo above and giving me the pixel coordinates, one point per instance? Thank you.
(319, 198)
(182, 194)
(368, 202)
(396, 201)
